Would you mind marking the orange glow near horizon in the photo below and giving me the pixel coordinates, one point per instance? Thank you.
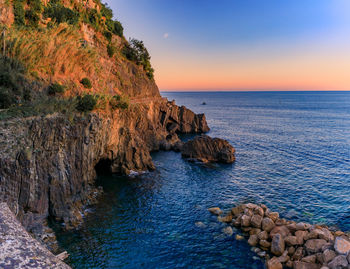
(306, 70)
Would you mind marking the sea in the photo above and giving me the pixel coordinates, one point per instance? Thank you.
(292, 154)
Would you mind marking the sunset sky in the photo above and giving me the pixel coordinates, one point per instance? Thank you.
(243, 44)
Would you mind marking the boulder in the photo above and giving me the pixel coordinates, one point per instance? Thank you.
(228, 231)
(277, 245)
(326, 235)
(253, 240)
(263, 235)
(309, 259)
(227, 219)
(254, 231)
(313, 246)
(215, 210)
(265, 243)
(267, 224)
(282, 230)
(256, 221)
(207, 149)
(338, 262)
(300, 235)
(237, 210)
(259, 211)
(342, 245)
(291, 251)
(284, 257)
(239, 237)
(291, 240)
(274, 216)
(298, 254)
(245, 221)
(274, 263)
(328, 255)
(305, 265)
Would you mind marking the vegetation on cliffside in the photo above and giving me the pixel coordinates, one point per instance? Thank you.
(62, 51)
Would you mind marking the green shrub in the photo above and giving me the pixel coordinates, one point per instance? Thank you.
(86, 103)
(106, 12)
(18, 9)
(60, 13)
(108, 35)
(32, 17)
(136, 51)
(14, 87)
(115, 27)
(110, 50)
(119, 102)
(86, 83)
(93, 18)
(7, 98)
(55, 89)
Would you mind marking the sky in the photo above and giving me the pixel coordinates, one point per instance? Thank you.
(242, 44)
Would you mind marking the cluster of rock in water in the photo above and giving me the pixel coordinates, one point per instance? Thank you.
(287, 244)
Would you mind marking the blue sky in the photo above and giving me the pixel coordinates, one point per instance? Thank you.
(199, 36)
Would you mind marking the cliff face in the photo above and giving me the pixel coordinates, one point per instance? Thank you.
(48, 164)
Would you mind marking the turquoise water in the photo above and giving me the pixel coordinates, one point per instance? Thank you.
(293, 154)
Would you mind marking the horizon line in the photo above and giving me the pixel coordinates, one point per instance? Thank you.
(252, 90)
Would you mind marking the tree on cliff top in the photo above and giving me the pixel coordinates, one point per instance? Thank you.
(136, 51)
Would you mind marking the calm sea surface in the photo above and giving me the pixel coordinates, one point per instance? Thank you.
(293, 154)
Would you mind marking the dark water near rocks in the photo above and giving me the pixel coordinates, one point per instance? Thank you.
(293, 154)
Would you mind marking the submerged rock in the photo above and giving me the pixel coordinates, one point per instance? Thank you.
(206, 149)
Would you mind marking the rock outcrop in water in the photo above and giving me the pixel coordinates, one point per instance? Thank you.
(48, 165)
(206, 149)
(287, 244)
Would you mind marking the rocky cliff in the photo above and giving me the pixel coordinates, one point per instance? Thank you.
(48, 164)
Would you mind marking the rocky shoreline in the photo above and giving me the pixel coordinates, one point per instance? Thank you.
(285, 243)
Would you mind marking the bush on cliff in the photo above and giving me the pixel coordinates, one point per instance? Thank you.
(136, 51)
(118, 101)
(55, 89)
(86, 83)
(59, 13)
(14, 87)
(86, 103)
(110, 50)
(18, 10)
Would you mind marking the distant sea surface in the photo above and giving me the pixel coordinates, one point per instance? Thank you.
(293, 154)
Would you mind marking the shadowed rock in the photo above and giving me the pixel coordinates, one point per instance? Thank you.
(206, 149)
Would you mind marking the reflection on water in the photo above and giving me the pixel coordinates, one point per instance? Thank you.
(293, 154)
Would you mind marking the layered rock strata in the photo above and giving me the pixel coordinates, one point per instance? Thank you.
(287, 244)
(48, 164)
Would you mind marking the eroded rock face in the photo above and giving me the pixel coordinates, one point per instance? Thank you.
(47, 165)
(207, 149)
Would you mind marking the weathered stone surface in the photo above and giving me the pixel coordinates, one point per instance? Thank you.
(245, 221)
(207, 149)
(309, 259)
(300, 235)
(342, 245)
(305, 265)
(253, 240)
(227, 219)
(19, 249)
(328, 255)
(215, 210)
(338, 262)
(256, 221)
(277, 245)
(228, 231)
(267, 224)
(274, 216)
(254, 231)
(274, 263)
(263, 235)
(282, 230)
(291, 240)
(238, 210)
(313, 246)
(298, 254)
